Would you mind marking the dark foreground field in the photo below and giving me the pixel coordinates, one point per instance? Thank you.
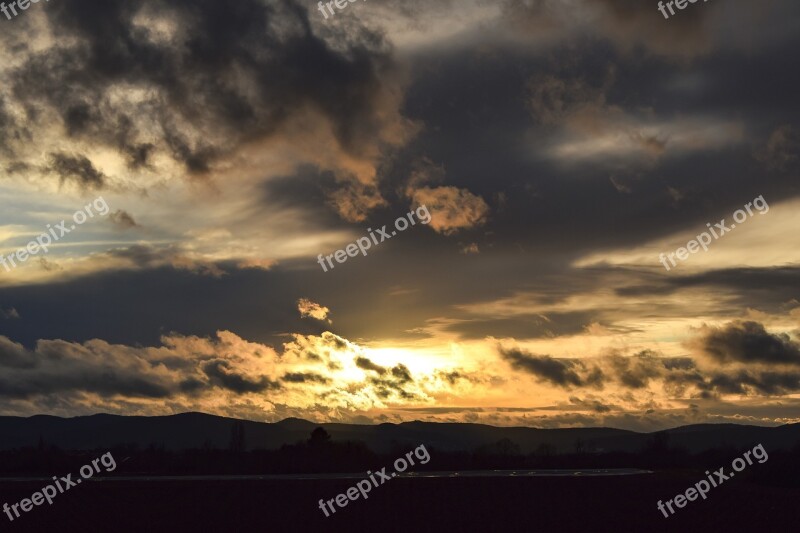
(614, 504)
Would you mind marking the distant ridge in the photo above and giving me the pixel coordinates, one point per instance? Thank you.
(196, 430)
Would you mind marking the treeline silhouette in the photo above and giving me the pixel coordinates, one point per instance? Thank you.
(321, 454)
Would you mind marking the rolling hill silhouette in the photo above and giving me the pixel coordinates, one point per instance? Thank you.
(198, 430)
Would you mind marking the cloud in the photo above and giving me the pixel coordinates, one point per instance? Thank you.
(14, 355)
(220, 374)
(637, 371)
(154, 256)
(560, 372)
(184, 364)
(402, 374)
(76, 168)
(746, 342)
(56, 367)
(10, 313)
(305, 377)
(356, 200)
(314, 310)
(394, 383)
(583, 124)
(204, 373)
(452, 377)
(365, 364)
(590, 403)
(452, 209)
(781, 150)
(251, 137)
(746, 382)
(739, 359)
(255, 263)
(552, 98)
(180, 89)
(49, 266)
(123, 219)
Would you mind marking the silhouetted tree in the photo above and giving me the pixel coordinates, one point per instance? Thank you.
(319, 438)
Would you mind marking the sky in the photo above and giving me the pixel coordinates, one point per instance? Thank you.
(560, 148)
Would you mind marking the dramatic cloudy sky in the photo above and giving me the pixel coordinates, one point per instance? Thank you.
(560, 146)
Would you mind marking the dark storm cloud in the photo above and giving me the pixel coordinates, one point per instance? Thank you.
(402, 374)
(711, 384)
(13, 355)
(637, 371)
(76, 168)
(677, 381)
(183, 370)
(750, 382)
(549, 214)
(57, 366)
(304, 377)
(774, 383)
(543, 215)
(393, 383)
(560, 372)
(365, 363)
(592, 404)
(306, 188)
(105, 384)
(747, 342)
(677, 363)
(10, 131)
(738, 342)
(191, 386)
(452, 377)
(225, 74)
(334, 341)
(123, 219)
(221, 374)
(564, 207)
